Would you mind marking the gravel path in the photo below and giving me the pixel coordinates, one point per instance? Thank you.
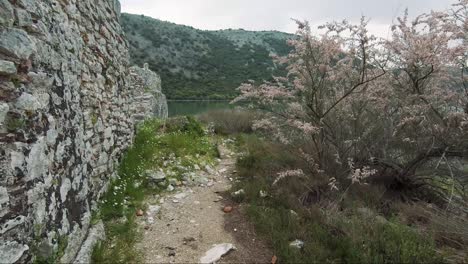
(190, 219)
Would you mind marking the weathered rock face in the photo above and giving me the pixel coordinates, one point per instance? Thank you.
(65, 120)
(148, 100)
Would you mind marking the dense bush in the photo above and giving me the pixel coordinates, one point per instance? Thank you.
(334, 230)
(230, 121)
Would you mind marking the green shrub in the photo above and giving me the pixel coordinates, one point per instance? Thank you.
(194, 127)
(332, 234)
(185, 124)
(350, 240)
(230, 121)
(15, 124)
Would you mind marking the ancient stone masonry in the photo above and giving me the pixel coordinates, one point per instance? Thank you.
(148, 99)
(65, 120)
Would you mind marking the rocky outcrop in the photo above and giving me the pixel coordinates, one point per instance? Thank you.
(148, 99)
(65, 121)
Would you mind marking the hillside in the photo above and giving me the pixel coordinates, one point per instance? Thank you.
(197, 64)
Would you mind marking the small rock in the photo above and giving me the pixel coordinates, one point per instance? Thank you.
(28, 102)
(172, 181)
(170, 188)
(238, 193)
(274, 259)
(7, 68)
(209, 169)
(153, 209)
(175, 201)
(17, 43)
(196, 202)
(150, 220)
(293, 213)
(155, 176)
(299, 244)
(172, 253)
(180, 196)
(210, 184)
(187, 240)
(222, 170)
(263, 194)
(139, 212)
(4, 109)
(7, 17)
(215, 253)
(227, 209)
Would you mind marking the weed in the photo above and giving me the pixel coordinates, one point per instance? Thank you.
(16, 81)
(94, 118)
(15, 124)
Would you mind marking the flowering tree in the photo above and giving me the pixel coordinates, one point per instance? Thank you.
(324, 73)
(425, 106)
(459, 22)
(365, 106)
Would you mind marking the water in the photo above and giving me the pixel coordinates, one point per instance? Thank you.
(180, 108)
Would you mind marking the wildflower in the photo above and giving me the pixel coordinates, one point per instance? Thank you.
(288, 173)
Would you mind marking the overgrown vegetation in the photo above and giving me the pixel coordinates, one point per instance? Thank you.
(360, 110)
(196, 64)
(174, 147)
(361, 150)
(361, 224)
(229, 121)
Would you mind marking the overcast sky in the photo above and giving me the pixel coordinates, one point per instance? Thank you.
(277, 14)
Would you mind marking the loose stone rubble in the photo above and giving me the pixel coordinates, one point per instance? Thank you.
(68, 107)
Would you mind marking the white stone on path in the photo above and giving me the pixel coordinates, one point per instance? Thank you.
(216, 252)
(180, 196)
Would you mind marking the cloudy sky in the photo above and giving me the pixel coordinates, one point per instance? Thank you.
(277, 14)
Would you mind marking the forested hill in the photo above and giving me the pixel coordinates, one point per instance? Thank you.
(198, 64)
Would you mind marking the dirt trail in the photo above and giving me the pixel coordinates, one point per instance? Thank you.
(191, 220)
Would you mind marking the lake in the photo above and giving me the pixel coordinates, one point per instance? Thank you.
(180, 108)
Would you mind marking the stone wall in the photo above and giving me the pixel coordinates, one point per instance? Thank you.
(65, 120)
(148, 99)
